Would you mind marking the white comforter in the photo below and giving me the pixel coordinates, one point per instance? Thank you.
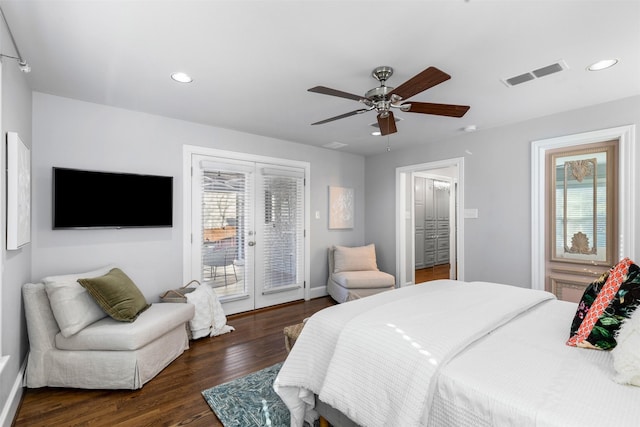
(524, 375)
(378, 359)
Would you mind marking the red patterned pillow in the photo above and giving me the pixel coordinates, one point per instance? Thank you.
(595, 330)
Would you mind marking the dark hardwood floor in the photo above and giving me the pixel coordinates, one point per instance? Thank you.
(173, 398)
(432, 273)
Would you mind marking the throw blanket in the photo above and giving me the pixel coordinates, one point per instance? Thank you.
(377, 359)
(209, 318)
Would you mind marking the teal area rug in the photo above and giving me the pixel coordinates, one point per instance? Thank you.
(249, 401)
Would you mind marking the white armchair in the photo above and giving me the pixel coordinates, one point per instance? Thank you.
(353, 273)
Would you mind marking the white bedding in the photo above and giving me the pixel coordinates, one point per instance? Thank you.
(414, 330)
(523, 374)
(436, 355)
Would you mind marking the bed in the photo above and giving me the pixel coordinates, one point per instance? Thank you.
(452, 353)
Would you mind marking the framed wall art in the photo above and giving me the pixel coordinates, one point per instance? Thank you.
(341, 212)
(18, 192)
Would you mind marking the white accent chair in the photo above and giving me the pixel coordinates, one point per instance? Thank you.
(353, 273)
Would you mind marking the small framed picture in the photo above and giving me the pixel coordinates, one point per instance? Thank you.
(341, 212)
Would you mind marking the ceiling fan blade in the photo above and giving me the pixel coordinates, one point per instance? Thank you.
(437, 109)
(423, 81)
(334, 92)
(341, 116)
(387, 124)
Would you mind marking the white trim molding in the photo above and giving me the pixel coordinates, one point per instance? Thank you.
(15, 397)
(627, 186)
(318, 291)
(402, 174)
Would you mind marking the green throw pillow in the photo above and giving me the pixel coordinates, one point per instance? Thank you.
(116, 293)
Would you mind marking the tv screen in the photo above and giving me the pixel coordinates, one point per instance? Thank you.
(90, 199)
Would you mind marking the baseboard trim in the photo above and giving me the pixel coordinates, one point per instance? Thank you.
(13, 400)
(319, 291)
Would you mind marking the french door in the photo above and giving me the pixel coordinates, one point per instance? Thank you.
(248, 231)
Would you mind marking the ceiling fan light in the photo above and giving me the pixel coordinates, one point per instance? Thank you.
(181, 77)
(602, 65)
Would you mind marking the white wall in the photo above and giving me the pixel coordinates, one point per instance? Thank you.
(16, 265)
(497, 183)
(70, 133)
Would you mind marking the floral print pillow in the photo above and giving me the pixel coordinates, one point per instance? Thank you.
(589, 296)
(613, 297)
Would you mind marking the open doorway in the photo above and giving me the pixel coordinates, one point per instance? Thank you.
(434, 224)
(429, 230)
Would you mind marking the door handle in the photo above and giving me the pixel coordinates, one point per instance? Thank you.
(251, 243)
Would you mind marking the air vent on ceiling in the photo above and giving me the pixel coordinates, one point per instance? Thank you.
(519, 79)
(335, 145)
(536, 74)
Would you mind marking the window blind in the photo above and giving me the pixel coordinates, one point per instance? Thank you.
(583, 205)
(283, 228)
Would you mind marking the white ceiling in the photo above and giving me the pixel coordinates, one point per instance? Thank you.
(253, 61)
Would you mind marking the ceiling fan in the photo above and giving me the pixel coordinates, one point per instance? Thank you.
(383, 98)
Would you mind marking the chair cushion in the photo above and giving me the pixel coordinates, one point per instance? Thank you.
(71, 304)
(363, 279)
(110, 334)
(361, 258)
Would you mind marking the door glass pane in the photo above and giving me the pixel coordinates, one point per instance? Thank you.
(224, 216)
(283, 230)
(581, 209)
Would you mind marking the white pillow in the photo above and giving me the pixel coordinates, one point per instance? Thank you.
(361, 258)
(626, 354)
(73, 307)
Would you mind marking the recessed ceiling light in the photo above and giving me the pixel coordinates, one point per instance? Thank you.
(181, 77)
(376, 133)
(470, 128)
(601, 65)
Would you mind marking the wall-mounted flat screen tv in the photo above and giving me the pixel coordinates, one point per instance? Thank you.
(91, 199)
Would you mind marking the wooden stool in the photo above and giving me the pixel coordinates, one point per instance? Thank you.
(291, 334)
